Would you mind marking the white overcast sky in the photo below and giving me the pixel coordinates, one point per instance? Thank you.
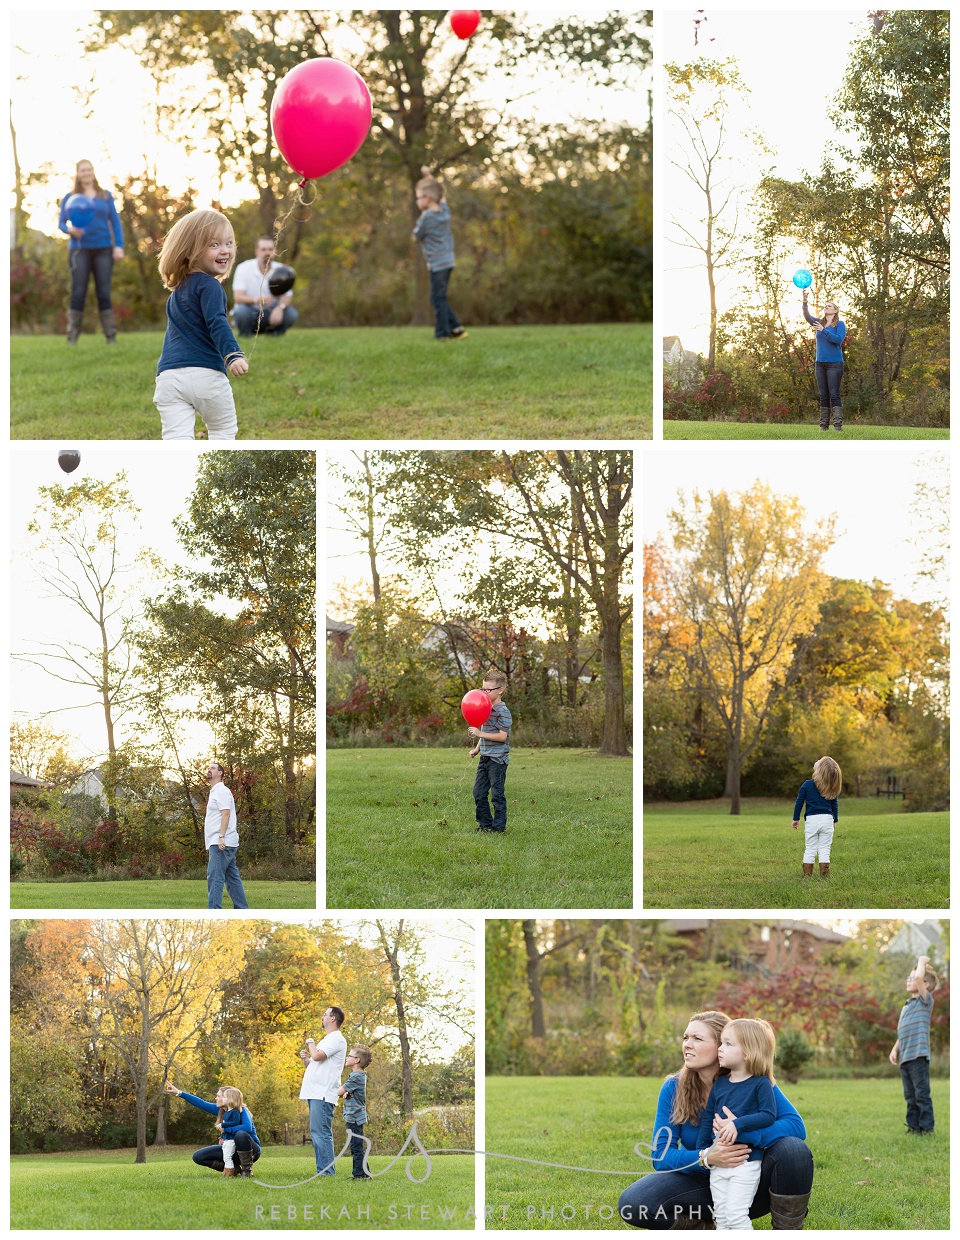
(793, 62)
(870, 490)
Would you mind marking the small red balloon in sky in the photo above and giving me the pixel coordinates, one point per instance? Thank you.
(475, 707)
(463, 22)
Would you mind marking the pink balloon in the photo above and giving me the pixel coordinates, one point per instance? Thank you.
(475, 707)
(321, 115)
(463, 22)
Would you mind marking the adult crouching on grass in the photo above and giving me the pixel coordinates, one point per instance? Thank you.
(94, 249)
(677, 1198)
(245, 1137)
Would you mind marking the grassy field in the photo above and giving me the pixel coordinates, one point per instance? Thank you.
(105, 1190)
(158, 893)
(869, 1173)
(572, 382)
(758, 430)
(696, 856)
(401, 831)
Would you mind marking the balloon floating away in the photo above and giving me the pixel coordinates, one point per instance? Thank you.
(80, 210)
(321, 115)
(68, 461)
(464, 22)
(802, 278)
(475, 707)
(281, 279)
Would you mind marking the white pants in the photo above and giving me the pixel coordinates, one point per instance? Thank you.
(229, 1148)
(733, 1190)
(181, 394)
(817, 837)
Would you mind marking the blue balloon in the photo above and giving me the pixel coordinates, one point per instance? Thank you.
(80, 210)
(802, 278)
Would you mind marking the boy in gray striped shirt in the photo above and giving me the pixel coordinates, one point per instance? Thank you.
(912, 1047)
(353, 1091)
(493, 746)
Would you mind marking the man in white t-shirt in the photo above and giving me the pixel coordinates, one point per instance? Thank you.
(255, 308)
(321, 1079)
(222, 839)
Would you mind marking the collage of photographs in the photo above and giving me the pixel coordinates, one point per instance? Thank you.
(525, 915)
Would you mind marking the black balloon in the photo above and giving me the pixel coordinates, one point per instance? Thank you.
(68, 461)
(281, 279)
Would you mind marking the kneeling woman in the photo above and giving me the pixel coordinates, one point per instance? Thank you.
(830, 336)
(245, 1136)
(678, 1198)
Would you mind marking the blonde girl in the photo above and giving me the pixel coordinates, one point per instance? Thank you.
(199, 348)
(821, 797)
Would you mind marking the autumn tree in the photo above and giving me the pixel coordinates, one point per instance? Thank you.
(748, 580)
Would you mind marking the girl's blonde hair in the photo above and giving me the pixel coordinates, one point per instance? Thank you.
(232, 1097)
(186, 242)
(759, 1045)
(691, 1096)
(827, 777)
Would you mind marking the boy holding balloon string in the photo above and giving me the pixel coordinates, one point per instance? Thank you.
(493, 746)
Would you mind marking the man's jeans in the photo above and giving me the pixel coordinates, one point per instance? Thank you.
(829, 375)
(82, 262)
(491, 777)
(356, 1149)
(222, 869)
(246, 318)
(446, 322)
(915, 1074)
(321, 1134)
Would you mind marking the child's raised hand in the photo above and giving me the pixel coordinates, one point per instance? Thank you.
(239, 366)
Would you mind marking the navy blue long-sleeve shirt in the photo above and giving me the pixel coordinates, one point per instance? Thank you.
(751, 1101)
(198, 331)
(246, 1119)
(105, 229)
(829, 339)
(816, 802)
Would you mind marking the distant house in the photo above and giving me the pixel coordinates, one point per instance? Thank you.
(338, 634)
(918, 938)
(21, 783)
(770, 949)
(680, 367)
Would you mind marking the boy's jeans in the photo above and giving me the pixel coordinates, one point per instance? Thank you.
(915, 1074)
(222, 869)
(356, 1149)
(446, 322)
(491, 777)
(321, 1134)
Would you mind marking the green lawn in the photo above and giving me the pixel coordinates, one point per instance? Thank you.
(758, 430)
(581, 382)
(695, 855)
(868, 1172)
(105, 1190)
(401, 831)
(158, 893)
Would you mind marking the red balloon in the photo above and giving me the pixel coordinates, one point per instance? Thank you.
(463, 22)
(320, 115)
(475, 707)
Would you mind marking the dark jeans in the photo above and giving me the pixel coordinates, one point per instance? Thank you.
(211, 1156)
(446, 322)
(915, 1074)
(829, 375)
(356, 1149)
(82, 263)
(222, 870)
(246, 318)
(657, 1200)
(491, 777)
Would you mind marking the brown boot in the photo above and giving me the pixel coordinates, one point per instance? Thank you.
(109, 324)
(808, 869)
(74, 323)
(246, 1162)
(788, 1213)
(824, 868)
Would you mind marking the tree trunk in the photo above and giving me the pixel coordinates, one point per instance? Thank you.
(406, 1067)
(733, 775)
(143, 1063)
(614, 742)
(371, 533)
(160, 1139)
(537, 1026)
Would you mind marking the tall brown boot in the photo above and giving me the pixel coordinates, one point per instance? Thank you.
(824, 868)
(74, 323)
(808, 869)
(788, 1213)
(246, 1162)
(109, 324)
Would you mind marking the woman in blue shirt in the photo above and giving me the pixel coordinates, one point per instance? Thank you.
(830, 336)
(93, 251)
(678, 1198)
(244, 1135)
